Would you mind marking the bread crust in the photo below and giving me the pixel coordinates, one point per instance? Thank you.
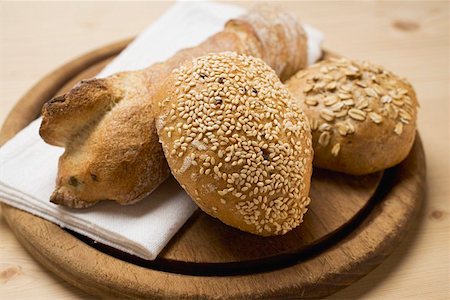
(374, 129)
(96, 167)
(107, 125)
(237, 143)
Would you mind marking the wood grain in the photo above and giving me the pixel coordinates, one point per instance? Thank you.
(418, 269)
(206, 247)
(336, 201)
(188, 246)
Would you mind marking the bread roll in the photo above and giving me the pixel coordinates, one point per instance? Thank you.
(237, 143)
(362, 117)
(108, 125)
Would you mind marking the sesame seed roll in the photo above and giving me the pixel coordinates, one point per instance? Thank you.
(237, 143)
(362, 117)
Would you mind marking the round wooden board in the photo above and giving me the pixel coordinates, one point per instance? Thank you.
(352, 225)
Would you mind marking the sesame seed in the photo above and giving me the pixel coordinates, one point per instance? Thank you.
(248, 137)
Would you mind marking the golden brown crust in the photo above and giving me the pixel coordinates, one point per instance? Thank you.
(237, 143)
(126, 157)
(363, 117)
(66, 115)
(118, 160)
(281, 40)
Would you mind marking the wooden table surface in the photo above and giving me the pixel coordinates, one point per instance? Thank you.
(409, 38)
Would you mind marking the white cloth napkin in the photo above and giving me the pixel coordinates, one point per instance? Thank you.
(28, 166)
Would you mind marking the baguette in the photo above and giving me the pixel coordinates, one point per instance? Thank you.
(107, 126)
